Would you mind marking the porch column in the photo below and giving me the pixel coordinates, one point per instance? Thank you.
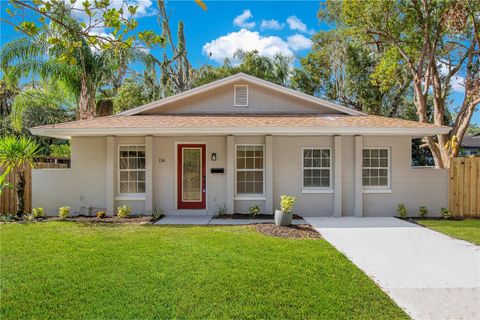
(358, 199)
(148, 174)
(337, 205)
(269, 174)
(230, 174)
(110, 165)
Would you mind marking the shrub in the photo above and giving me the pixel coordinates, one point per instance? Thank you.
(157, 213)
(222, 211)
(28, 217)
(254, 211)
(402, 211)
(64, 212)
(287, 203)
(445, 213)
(38, 213)
(124, 211)
(7, 218)
(101, 214)
(423, 212)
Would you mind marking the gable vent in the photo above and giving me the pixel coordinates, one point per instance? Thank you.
(241, 95)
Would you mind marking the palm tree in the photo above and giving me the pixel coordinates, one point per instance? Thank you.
(16, 153)
(80, 67)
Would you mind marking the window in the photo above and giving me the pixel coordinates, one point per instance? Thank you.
(249, 169)
(241, 95)
(316, 168)
(132, 169)
(376, 167)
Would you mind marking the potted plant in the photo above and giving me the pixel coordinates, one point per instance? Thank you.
(283, 217)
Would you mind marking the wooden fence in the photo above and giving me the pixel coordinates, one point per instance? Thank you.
(464, 187)
(8, 198)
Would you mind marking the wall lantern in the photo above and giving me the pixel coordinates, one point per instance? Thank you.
(214, 157)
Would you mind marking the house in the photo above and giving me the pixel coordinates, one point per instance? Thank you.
(470, 145)
(238, 142)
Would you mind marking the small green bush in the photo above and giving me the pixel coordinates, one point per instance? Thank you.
(157, 213)
(402, 211)
(254, 211)
(64, 212)
(222, 211)
(124, 211)
(445, 213)
(101, 214)
(286, 203)
(423, 212)
(7, 218)
(28, 217)
(38, 213)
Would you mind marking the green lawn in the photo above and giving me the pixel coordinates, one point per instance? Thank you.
(84, 271)
(468, 229)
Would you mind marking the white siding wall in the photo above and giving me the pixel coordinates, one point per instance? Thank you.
(260, 100)
(81, 185)
(85, 184)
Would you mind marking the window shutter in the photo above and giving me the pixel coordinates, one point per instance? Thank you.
(241, 96)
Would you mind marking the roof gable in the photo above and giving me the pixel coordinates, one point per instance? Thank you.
(217, 97)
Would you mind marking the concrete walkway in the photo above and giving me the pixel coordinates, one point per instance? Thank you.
(428, 274)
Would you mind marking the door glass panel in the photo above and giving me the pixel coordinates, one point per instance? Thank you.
(192, 175)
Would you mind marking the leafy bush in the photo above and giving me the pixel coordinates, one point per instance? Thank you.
(222, 211)
(101, 214)
(64, 212)
(287, 203)
(60, 150)
(7, 218)
(157, 213)
(124, 211)
(402, 211)
(423, 212)
(445, 213)
(38, 213)
(254, 211)
(28, 217)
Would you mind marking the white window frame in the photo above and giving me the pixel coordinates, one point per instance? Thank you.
(249, 196)
(328, 189)
(379, 189)
(130, 195)
(235, 95)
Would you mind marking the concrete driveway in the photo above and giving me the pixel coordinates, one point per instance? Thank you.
(428, 274)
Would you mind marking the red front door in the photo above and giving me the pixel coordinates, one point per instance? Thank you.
(191, 193)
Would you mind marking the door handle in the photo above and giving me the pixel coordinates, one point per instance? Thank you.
(204, 184)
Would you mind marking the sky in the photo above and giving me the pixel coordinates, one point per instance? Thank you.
(269, 26)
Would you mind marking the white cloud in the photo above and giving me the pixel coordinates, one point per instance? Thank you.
(271, 24)
(241, 20)
(225, 46)
(298, 42)
(295, 23)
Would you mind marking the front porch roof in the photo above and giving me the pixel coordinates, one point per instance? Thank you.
(244, 124)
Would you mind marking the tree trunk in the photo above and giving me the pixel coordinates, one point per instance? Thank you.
(86, 102)
(21, 193)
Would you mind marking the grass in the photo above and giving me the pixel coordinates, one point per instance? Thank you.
(97, 271)
(468, 229)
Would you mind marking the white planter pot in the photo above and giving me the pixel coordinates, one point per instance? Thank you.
(283, 219)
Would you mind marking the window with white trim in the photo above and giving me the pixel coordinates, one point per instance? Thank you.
(241, 95)
(249, 169)
(317, 168)
(131, 169)
(376, 168)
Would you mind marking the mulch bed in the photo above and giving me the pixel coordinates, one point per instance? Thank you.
(248, 216)
(302, 231)
(128, 220)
